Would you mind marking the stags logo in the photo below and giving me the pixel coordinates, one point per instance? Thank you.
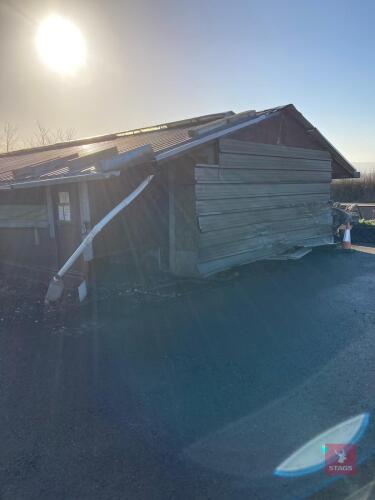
(340, 459)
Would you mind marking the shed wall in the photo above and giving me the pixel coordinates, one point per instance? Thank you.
(260, 200)
(141, 230)
(183, 229)
(26, 240)
(285, 130)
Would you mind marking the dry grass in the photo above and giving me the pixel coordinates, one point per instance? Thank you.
(360, 190)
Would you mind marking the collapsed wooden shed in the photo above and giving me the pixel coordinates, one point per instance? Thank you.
(229, 189)
(259, 201)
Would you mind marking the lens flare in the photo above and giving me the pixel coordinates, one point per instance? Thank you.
(311, 456)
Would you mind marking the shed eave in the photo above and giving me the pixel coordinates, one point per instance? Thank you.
(60, 180)
(314, 132)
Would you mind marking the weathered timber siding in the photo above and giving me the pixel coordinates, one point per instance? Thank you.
(260, 200)
(26, 243)
(140, 230)
(285, 130)
(183, 227)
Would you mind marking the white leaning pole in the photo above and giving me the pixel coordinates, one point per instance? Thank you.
(56, 286)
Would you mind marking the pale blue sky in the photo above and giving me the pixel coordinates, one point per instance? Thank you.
(154, 61)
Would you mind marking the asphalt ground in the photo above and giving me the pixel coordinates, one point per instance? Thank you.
(198, 394)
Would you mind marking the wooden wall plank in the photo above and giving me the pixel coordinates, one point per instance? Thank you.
(241, 176)
(206, 268)
(228, 160)
(85, 214)
(236, 146)
(223, 221)
(23, 216)
(186, 241)
(50, 213)
(236, 233)
(172, 220)
(289, 238)
(212, 207)
(222, 191)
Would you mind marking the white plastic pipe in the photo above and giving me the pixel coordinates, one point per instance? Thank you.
(99, 226)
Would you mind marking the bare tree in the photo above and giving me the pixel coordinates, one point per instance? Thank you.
(70, 133)
(58, 135)
(28, 142)
(63, 135)
(9, 136)
(42, 135)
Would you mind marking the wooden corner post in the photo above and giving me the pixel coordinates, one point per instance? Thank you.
(172, 219)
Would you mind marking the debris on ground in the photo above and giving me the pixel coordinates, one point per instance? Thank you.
(24, 301)
(344, 213)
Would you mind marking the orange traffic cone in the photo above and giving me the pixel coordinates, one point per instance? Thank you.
(346, 241)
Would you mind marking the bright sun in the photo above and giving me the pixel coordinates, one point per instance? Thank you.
(61, 45)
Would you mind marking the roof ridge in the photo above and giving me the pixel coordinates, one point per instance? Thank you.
(115, 135)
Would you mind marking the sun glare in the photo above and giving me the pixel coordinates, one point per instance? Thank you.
(61, 45)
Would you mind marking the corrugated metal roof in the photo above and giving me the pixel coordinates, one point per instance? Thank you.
(159, 136)
(163, 137)
(37, 162)
(159, 140)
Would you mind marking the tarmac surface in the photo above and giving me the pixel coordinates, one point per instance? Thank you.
(198, 394)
